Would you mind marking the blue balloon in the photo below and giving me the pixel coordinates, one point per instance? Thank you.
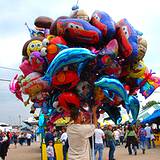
(81, 67)
(41, 121)
(114, 85)
(40, 131)
(113, 112)
(62, 47)
(66, 57)
(133, 106)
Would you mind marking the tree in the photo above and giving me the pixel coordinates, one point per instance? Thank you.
(150, 104)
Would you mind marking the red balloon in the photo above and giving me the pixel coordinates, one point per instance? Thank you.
(65, 80)
(68, 99)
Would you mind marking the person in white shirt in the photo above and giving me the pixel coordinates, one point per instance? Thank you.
(148, 135)
(64, 140)
(121, 135)
(28, 136)
(50, 151)
(78, 135)
(99, 136)
(116, 134)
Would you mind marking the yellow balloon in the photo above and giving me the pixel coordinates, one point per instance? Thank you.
(34, 45)
(138, 70)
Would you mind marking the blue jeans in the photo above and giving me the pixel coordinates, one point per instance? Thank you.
(148, 141)
(51, 158)
(112, 147)
(99, 147)
(142, 145)
(65, 150)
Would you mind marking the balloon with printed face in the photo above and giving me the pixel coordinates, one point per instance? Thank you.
(68, 100)
(34, 44)
(37, 62)
(138, 70)
(83, 89)
(33, 84)
(111, 49)
(105, 24)
(127, 38)
(67, 57)
(65, 80)
(51, 47)
(76, 31)
(142, 48)
(112, 68)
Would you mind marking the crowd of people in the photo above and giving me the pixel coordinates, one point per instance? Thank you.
(82, 140)
(134, 137)
(78, 137)
(7, 138)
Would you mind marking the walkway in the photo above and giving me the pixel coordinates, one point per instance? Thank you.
(33, 153)
(24, 152)
(122, 154)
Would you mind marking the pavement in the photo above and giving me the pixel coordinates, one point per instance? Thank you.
(24, 152)
(121, 153)
(33, 153)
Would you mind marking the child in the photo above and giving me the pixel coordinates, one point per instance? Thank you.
(50, 151)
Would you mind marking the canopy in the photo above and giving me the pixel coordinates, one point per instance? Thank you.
(25, 129)
(153, 117)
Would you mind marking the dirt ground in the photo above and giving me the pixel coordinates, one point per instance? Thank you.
(33, 153)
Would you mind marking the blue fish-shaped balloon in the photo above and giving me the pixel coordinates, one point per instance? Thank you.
(133, 106)
(66, 57)
(113, 112)
(114, 85)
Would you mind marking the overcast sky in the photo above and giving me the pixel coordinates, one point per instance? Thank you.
(143, 15)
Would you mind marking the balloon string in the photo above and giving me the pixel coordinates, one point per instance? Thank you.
(92, 157)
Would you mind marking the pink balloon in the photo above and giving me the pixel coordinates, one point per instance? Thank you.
(16, 88)
(12, 85)
(26, 68)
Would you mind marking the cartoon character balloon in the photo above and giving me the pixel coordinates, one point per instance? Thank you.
(76, 31)
(68, 100)
(127, 37)
(105, 24)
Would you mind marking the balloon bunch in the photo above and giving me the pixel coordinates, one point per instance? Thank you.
(74, 61)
